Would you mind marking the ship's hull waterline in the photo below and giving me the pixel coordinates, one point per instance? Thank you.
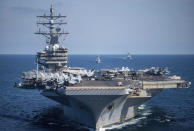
(97, 111)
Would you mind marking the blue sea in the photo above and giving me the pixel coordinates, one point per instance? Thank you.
(27, 110)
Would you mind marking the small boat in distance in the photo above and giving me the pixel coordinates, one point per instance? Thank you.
(98, 60)
(129, 56)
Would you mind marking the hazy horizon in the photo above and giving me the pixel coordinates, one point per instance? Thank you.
(100, 54)
(151, 27)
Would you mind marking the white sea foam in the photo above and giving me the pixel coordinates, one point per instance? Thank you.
(130, 122)
(124, 124)
(141, 107)
(146, 113)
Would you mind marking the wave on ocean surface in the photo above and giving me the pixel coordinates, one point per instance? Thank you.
(23, 110)
(134, 121)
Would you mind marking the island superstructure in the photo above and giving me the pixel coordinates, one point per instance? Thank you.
(95, 98)
(54, 56)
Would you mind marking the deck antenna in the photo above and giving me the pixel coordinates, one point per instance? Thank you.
(37, 69)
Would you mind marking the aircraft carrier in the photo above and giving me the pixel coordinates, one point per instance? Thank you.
(95, 98)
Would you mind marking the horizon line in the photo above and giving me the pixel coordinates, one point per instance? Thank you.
(94, 54)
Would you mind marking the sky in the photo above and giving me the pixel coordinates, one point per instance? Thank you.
(102, 26)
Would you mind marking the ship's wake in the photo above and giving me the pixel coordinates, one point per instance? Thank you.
(53, 118)
(147, 116)
(133, 121)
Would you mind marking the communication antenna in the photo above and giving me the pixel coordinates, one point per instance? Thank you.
(52, 23)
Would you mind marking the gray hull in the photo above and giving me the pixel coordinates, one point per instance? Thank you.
(97, 111)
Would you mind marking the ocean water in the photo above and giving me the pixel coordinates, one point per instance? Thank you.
(27, 110)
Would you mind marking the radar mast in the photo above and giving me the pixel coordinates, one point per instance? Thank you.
(54, 57)
(52, 23)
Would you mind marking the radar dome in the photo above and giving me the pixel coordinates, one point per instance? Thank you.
(47, 47)
(58, 29)
(52, 21)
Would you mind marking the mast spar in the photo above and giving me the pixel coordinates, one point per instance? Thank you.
(52, 23)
